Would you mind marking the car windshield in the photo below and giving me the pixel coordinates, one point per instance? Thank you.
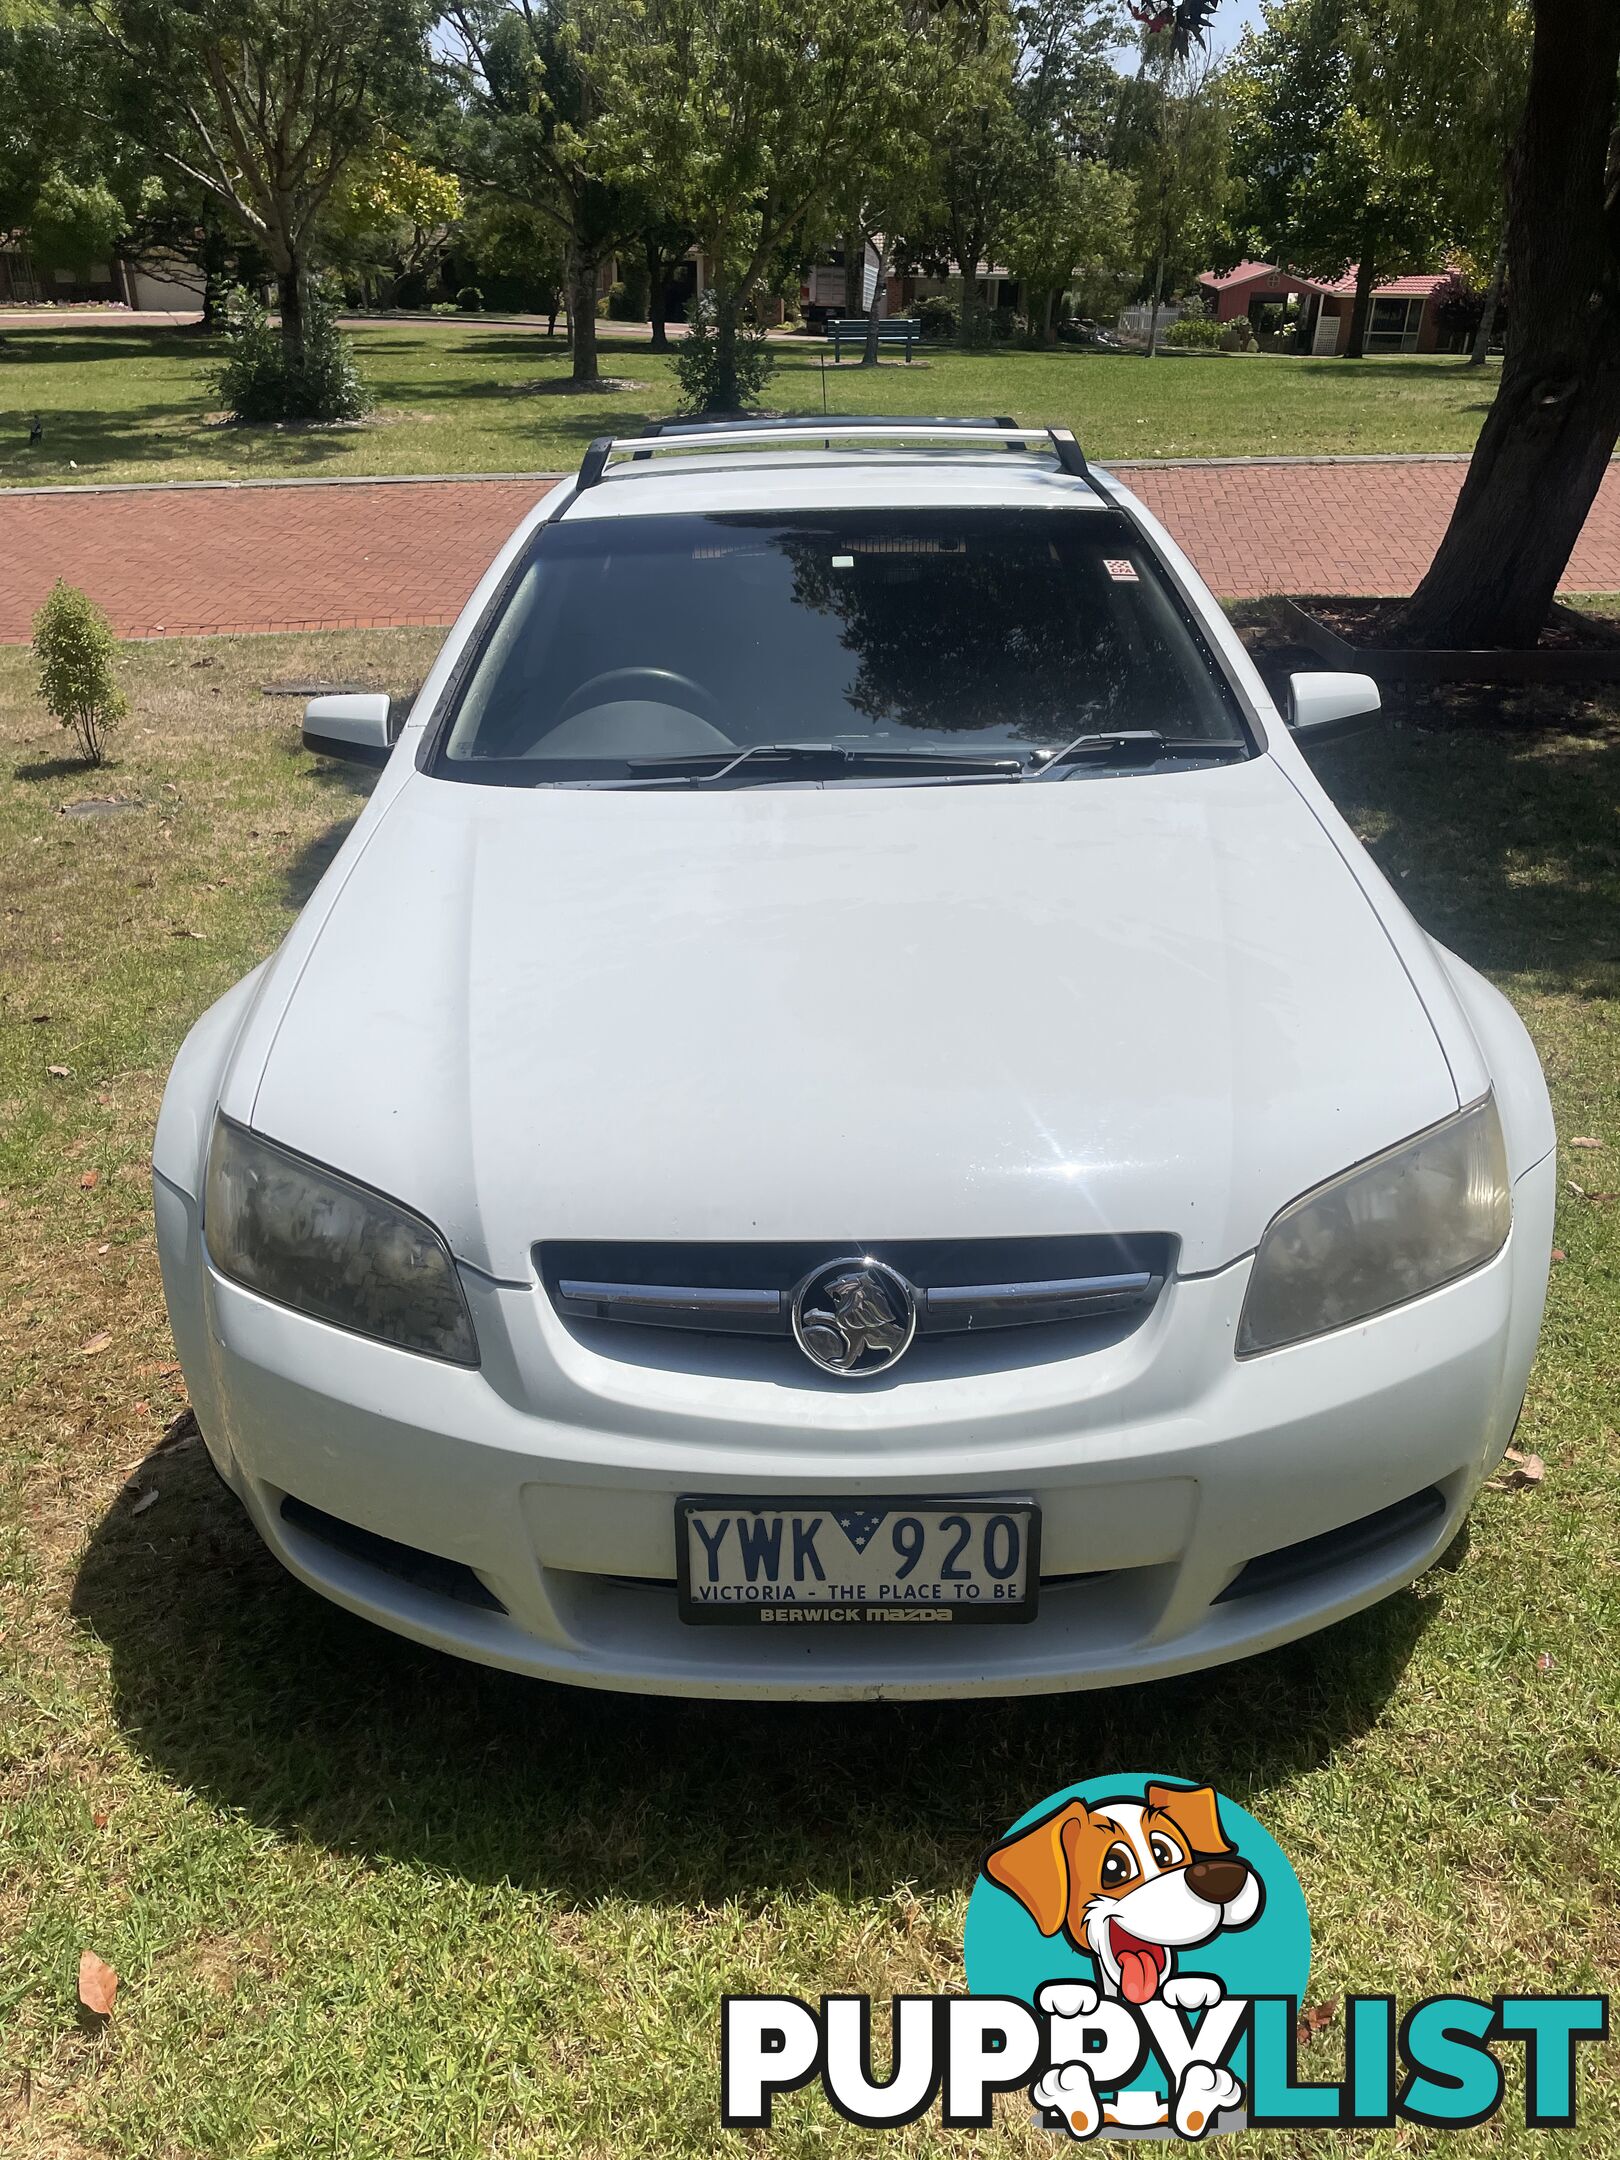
(633, 646)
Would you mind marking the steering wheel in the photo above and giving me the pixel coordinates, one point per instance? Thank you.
(655, 685)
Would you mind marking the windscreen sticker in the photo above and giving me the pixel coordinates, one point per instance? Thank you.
(1121, 571)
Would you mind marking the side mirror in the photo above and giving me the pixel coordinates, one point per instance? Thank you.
(353, 727)
(1325, 705)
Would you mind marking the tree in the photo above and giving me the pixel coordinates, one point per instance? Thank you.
(1335, 173)
(65, 186)
(516, 252)
(533, 82)
(1080, 219)
(1548, 437)
(745, 117)
(262, 105)
(1458, 70)
(665, 241)
(983, 161)
(389, 214)
(1175, 147)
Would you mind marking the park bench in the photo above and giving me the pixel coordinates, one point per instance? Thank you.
(892, 330)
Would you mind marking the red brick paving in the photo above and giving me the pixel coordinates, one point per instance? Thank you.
(178, 560)
(1338, 528)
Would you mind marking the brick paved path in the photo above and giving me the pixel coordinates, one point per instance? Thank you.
(184, 559)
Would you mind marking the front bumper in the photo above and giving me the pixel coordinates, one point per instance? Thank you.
(1163, 1467)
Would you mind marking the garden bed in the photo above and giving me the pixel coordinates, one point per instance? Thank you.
(1358, 635)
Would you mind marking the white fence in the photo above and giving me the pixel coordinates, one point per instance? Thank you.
(1134, 321)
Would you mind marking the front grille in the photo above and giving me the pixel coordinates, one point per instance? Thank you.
(962, 1285)
(427, 1571)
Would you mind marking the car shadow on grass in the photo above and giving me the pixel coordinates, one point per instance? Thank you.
(237, 1684)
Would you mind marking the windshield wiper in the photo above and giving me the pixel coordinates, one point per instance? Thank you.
(1129, 745)
(702, 768)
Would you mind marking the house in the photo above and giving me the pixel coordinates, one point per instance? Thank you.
(1405, 310)
(115, 283)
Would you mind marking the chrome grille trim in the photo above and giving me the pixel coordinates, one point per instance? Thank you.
(944, 1309)
(982, 1305)
(668, 1304)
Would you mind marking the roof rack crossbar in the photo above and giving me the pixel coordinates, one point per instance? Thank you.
(721, 435)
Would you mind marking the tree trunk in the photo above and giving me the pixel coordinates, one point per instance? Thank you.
(1493, 301)
(582, 320)
(874, 314)
(1547, 439)
(854, 274)
(967, 328)
(724, 396)
(290, 302)
(1048, 330)
(1158, 302)
(1361, 307)
(655, 297)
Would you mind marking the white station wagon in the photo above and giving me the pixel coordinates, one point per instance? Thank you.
(847, 1085)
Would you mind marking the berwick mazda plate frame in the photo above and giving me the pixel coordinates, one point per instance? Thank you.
(974, 1562)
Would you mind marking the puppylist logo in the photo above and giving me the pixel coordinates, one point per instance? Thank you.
(1137, 1952)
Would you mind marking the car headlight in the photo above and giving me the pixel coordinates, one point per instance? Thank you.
(1390, 1229)
(308, 1238)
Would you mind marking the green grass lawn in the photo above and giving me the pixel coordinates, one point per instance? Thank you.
(368, 1903)
(130, 404)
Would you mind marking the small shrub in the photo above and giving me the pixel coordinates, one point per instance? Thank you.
(1194, 333)
(937, 314)
(696, 363)
(260, 381)
(470, 300)
(75, 648)
(1008, 326)
(444, 307)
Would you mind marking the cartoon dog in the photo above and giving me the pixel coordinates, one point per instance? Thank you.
(1131, 1882)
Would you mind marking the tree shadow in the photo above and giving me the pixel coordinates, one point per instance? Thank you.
(158, 433)
(63, 768)
(1491, 808)
(237, 1684)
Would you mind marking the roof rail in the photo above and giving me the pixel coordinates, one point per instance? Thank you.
(945, 422)
(725, 434)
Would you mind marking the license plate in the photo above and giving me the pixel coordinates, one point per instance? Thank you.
(855, 1563)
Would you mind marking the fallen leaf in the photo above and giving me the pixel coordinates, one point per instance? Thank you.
(90, 1180)
(1544, 1663)
(60, 1072)
(149, 1498)
(98, 1984)
(197, 934)
(99, 1818)
(94, 1345)
(1316, 2019)
(103, 1248)
(1558, 1253)
(165, 1371)
(1522, 1470)
(143, 1409)
(1580, 1140)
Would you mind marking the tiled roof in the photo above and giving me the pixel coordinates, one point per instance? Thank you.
(1401, 288)
(1245, 273)
(1340, 288)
